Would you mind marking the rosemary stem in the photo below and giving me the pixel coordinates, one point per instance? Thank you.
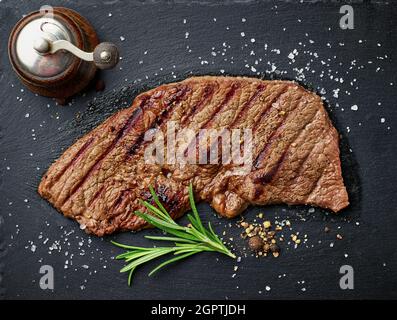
(194, 238)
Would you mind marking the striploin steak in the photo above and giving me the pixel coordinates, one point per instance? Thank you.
(100, 180)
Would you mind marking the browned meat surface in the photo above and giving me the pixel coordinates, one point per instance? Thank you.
(99, 180)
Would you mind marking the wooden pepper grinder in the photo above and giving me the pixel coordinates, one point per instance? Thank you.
(56, 52)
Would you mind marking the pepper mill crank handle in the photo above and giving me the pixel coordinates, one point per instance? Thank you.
(105, 55)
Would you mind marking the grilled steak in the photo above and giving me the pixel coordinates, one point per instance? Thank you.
(100, 179)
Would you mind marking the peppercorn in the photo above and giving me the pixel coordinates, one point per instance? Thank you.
(274, 248)
(266, 247)
(255, 243)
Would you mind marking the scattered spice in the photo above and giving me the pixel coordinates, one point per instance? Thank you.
(255, 243)
(267, 224)
(262, 238)
(274, 248)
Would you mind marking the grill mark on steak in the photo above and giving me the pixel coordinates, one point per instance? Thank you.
(222, 106)
(316, 183)
(96, 196)
(169, 105)
(162, 118)
(134, 118)
(206, 97)
(120, 200)
(273, 136)
(171, 200)
(270, 106)
(114, 180)
(297, 135)
(228, 96)
(243, 110)
(304, 160)
(76, 157)
(264, 111)
(268, 177)
(248, 104)
(146, 103)
(135, 146)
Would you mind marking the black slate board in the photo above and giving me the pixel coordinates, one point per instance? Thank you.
(166, 42)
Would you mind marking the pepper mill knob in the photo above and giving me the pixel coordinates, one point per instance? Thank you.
(106, 55)
(41, 45)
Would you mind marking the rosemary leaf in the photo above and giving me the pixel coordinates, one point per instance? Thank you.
(187, 241)
(194, 209)
(168, 239)
(179, 257)
(157, 201)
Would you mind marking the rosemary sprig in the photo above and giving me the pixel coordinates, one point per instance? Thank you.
(188, 240)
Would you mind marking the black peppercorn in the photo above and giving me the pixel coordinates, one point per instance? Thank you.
(266, 248)
(255, 243)
(274, 248)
